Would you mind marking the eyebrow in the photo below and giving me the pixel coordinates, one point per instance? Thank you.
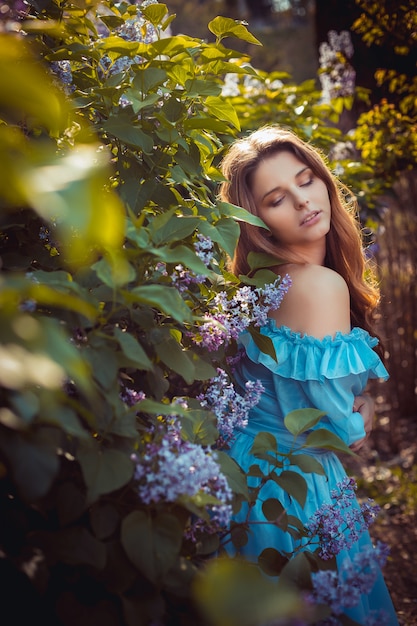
(307, 167)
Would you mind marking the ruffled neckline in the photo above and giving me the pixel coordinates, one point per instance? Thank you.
(304, 357)
(355, 334)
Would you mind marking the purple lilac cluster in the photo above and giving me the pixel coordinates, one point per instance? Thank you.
(232, 316)
(204, 249)
(342, 589)
(182, 277)
(131, 396)
(63, 73)
(337, 76)
(230, 408)
(338, 525)
(172, 468)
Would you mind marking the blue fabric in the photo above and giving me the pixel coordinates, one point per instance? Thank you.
(325, 374)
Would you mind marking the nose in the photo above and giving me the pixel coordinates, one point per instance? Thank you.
(300, 200)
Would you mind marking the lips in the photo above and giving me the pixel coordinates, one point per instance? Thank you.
(310, 217)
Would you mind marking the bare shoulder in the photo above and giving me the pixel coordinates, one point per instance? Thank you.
(323, 280)
(317, 303)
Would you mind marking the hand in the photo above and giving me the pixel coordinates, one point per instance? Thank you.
(364, 405)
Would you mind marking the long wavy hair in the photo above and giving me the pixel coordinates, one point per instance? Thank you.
(344, 245)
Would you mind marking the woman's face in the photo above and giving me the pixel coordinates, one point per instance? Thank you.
(293, 202)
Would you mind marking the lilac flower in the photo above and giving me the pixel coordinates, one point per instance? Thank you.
(172, 469)
(211, 334)
(230, 317)
(230, 408)
(339, 525)
(342, 589)
(62, 71)
(183, 278)
(131, 396)
(204, 249)
(337, 76)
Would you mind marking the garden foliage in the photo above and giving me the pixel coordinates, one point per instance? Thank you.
(118, 314)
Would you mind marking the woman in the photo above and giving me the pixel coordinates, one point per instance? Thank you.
(322, 332)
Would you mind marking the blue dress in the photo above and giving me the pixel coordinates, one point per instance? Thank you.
(325, 374)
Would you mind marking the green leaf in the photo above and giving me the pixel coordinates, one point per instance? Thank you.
(152, 543)
(104, 519)
(234, 474)
(160, 408)
(202, 369)
(27, 91)
(103, 361)
(104, 469)
(222, 110)
(239, 536)
(106, 273)
(226, 27)
(227, 234)
(123, 129)
(255, 471)
(154, 13)
(132, 349)
(260, 259)
(271, 561)
(272, 509)
(264, 343)
(264, 443)
(323, 438)
(33, 461)
(240, 214)
(148, 78)
(165, 299)
(174, 228)
(173, 355)
(297, 572)
(199, 87)
(183, 255)
(200, 426)
(301, 420)
(117, 44)
(307, 464)
(260, 278)
(234, 592)
(139, 103)
(55, 297)
(293, 483)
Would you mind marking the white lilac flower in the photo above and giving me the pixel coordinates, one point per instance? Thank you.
(337, 76)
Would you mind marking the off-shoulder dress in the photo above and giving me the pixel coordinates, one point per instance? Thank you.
(321, 373)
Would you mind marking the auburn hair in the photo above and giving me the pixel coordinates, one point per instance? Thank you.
(344, 245)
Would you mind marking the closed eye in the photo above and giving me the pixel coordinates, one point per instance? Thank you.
(278, 201)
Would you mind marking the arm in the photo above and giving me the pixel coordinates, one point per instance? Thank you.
(365, 405)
